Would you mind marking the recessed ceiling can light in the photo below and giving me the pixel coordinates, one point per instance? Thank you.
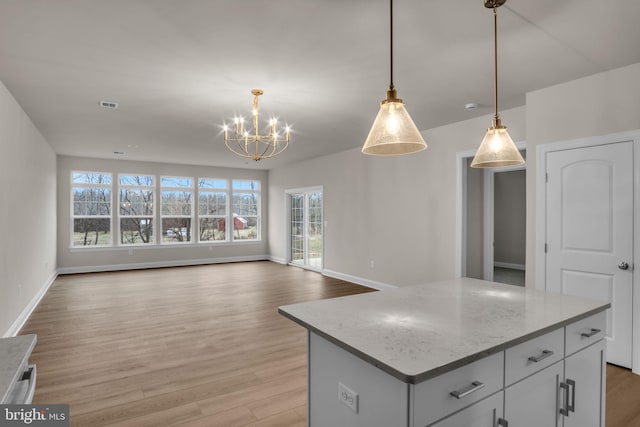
(119, 153)
(109, 104)
(471, 106)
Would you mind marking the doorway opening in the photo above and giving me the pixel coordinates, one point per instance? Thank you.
(305, 228)
(490, 222)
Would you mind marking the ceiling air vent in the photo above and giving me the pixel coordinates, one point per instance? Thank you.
(108, 104)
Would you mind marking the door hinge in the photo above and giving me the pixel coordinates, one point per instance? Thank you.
(546, 177)
(546, 248)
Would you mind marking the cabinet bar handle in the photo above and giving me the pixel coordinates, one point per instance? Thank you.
(572, 406)
(543, 355)
(565, 411)
(591, 333)
(502, 422)
(474, 386)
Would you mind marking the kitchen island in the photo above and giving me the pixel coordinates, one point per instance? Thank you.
(460, 352)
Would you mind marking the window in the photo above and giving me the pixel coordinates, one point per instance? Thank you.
(212, 209)
(136, 209)
(176, 212)
(246, 210)
(91, 210)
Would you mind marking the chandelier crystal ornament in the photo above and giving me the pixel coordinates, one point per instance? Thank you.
(250, 143)
(497, 148)
(393, 132)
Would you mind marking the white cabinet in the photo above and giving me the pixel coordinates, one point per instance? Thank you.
(585, 377)
(485, 413)
(553, 380)
(533, 402)
(445, 394)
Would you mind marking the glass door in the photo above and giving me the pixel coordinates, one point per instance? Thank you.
(305, 228)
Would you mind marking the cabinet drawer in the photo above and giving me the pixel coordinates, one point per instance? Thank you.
(482, 414)
(534, 355)
(585, 332)
(434, 399)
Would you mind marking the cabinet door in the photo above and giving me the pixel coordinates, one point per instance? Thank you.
(482, 414)
(586, 369)
(533, 402)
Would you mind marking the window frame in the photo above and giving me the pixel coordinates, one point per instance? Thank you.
(193, 190)
(258, 215)
(73, 216)
(226, 191)
(152, 188)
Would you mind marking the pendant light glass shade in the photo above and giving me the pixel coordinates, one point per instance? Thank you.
(497, 149)
(393, 132)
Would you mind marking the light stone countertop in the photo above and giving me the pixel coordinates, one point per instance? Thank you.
(418, 332)
(14, 354)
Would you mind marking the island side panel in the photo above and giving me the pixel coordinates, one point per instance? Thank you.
(382, 400)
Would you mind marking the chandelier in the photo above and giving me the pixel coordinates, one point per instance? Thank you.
(249, 143)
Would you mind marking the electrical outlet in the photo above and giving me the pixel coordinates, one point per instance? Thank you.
(348, 397)
(19, 289)
(372, 264)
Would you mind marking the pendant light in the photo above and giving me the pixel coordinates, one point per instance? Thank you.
(393, 132)
(497, 148)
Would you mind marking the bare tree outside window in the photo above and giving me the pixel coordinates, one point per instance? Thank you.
(91, 195)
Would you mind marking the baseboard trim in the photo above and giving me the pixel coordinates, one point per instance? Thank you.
(159, 264)
(358, 280)
(24, 316)
(278, 260)
(509, 265)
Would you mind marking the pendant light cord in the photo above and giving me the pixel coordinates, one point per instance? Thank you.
(495, 57)
(391, 43)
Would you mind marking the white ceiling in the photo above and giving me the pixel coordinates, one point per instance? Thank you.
(178, 69)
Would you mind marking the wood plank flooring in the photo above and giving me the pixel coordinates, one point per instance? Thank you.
(188, 346)
(197, 346)
(623, 397)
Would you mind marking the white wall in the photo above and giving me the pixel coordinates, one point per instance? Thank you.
(600, 104)
(475, 221)
(97, 259)
(27, 214)
(396, 211)
(510, 217)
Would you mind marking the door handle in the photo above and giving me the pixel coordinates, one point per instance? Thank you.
(592, 332)
(623, 265)
(571, 407)
(543, 355)
(475, 386)
(565, 410)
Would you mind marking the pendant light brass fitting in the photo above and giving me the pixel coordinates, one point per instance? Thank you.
(392, 96)
(491, 4)
(496, 123)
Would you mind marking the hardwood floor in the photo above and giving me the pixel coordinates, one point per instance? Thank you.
(197, 346)
(623, 397)
(188, 346)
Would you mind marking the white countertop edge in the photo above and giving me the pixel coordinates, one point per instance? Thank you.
(24, 358)
(433, 312)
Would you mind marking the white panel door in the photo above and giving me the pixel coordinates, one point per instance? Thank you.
(589, 233)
